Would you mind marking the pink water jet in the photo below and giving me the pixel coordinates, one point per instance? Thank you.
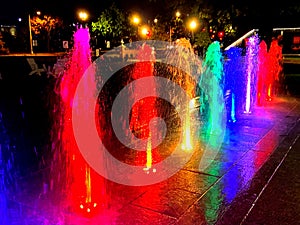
(84, 188)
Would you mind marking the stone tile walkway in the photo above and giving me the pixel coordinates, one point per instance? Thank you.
(254, 179)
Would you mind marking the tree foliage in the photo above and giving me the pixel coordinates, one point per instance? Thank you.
(44, 26)
(111, 23)
(159, 30)
(45, 23)
(212, 15)
(3, 49)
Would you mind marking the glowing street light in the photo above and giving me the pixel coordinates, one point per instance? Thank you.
(174, 25)
(193, 25)
(136, 20)
(83, 15)
(30, 33)
(145, 31)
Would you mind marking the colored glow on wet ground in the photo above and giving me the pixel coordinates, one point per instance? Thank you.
(187, 136)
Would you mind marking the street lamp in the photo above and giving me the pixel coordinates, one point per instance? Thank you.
(192, 26)
(30, 32)
(136, 21)
(174, 25)
(83, 16)
(155, 27)
(145, 31)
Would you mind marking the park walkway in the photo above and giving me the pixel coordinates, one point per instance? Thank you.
(254, 179)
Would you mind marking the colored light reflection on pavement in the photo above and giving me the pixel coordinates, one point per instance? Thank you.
(213, 200)
(264, 148)
(232, 182)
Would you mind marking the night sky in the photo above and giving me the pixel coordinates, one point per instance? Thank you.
(13, 9)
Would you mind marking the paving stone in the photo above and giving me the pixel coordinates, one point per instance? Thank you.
(172, 202)
(221, 193)
(135, 215)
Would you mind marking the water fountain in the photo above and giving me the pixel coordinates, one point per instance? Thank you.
(78, 191)
(85, 190)
(251, 73)
(145, 109)
(71, 177)
(262, 73)
(275, 69)
(269, 72)
(181, 58)
(254, 76)
(233, 74)
(211, 86)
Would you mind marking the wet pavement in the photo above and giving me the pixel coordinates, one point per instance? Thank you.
(254, 179)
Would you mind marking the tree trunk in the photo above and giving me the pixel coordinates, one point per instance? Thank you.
(48, 41)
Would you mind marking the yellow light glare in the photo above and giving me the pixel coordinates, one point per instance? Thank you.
(144, 31)
(136, 20)
(193, 24)
(83, 15)
(187, 136)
